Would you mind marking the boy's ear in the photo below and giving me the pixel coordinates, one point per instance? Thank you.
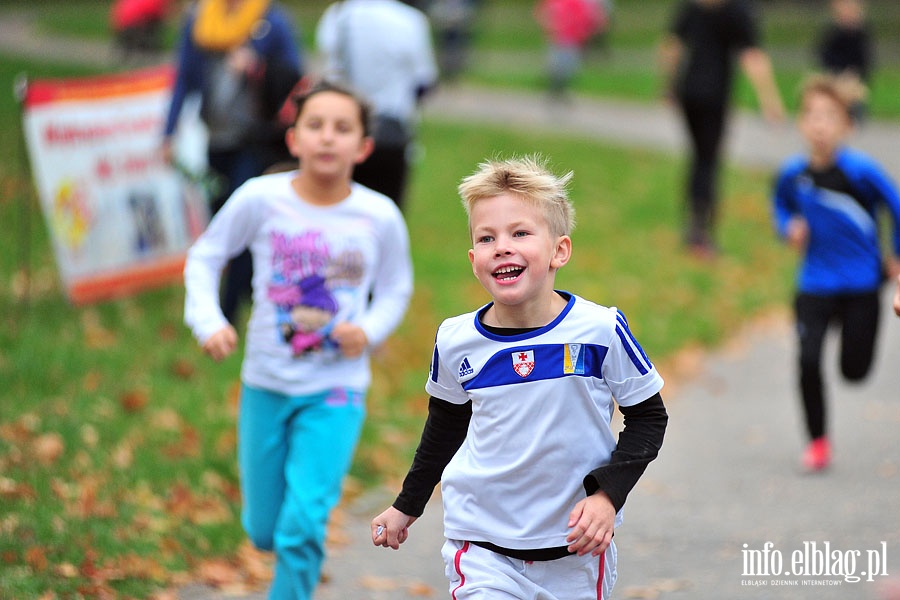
(365, 149)
(563, 252)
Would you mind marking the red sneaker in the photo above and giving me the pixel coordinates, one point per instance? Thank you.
(817, 455)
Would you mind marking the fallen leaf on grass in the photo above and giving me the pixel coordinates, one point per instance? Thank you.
(256, 563)
(10, 489)
(36, 557)
(48, 448)
(166, 419)
(218, 573)
(67, 570)
(18, 432)
(183, 369)
(130, 566)
(89, 435)
(122, 456)
(226, 443)
(96, 336)
(187, 446)
(91, 381)
(183, 503)
(168, 332)
(90, 503)
(133, 401)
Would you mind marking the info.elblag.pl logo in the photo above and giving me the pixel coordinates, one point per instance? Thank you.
(814, 563)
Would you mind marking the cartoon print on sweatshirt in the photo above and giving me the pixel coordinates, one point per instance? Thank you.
(307, 282)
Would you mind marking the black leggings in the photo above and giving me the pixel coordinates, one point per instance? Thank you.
(857, 315)
(706, 125)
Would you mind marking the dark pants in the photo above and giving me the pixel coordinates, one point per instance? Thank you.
(236, 167)
(857, 316)
(706, 125)
(385, 171)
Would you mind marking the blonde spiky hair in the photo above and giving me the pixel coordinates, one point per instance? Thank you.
(529, 178)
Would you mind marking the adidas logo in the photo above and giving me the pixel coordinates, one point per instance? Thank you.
(465, 368)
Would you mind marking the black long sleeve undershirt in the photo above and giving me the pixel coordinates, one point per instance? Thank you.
(639, 443)
(447, 424)
(444, 432)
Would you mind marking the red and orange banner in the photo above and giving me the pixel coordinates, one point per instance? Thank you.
(120, 218)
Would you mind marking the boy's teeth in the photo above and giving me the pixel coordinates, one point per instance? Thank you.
(512, 272)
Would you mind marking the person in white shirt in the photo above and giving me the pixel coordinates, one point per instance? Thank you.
(383, 49)
(332, 279)
(533, 479)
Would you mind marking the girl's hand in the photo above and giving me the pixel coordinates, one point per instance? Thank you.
(350, 338)
(222, 343)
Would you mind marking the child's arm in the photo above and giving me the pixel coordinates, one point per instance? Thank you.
(897, 298)
(393, 281)
(608, 486)
(391, 528)
(222, 343)
(592, 522)
(796, 233)
(228, 233)
(444, 432)
(757, 65)
(790, 225)
(350, 338)
(638, 445)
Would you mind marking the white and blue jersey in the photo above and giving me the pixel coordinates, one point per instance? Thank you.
(841, 206)
(542, 402)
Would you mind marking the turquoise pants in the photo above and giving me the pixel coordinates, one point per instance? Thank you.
(293, 453)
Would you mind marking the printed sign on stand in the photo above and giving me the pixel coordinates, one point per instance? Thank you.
(120, 218)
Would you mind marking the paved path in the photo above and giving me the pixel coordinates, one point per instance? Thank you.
(727, 476)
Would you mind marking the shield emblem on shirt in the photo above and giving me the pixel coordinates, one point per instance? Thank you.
(523, 362)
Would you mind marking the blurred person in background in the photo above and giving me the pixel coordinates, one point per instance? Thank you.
(845, 48)
(138, 27)
(242, 58)
(453, 21)
(827, 203)
(568, 26)
(383, 49)
(698, 56)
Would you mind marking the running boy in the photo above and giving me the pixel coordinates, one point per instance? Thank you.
(522, 393)
(826, 206)
(321, 244)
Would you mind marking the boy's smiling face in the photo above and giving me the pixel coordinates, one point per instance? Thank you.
(514, 254)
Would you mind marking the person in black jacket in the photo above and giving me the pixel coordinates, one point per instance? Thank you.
(706, 39)
(845, 48)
